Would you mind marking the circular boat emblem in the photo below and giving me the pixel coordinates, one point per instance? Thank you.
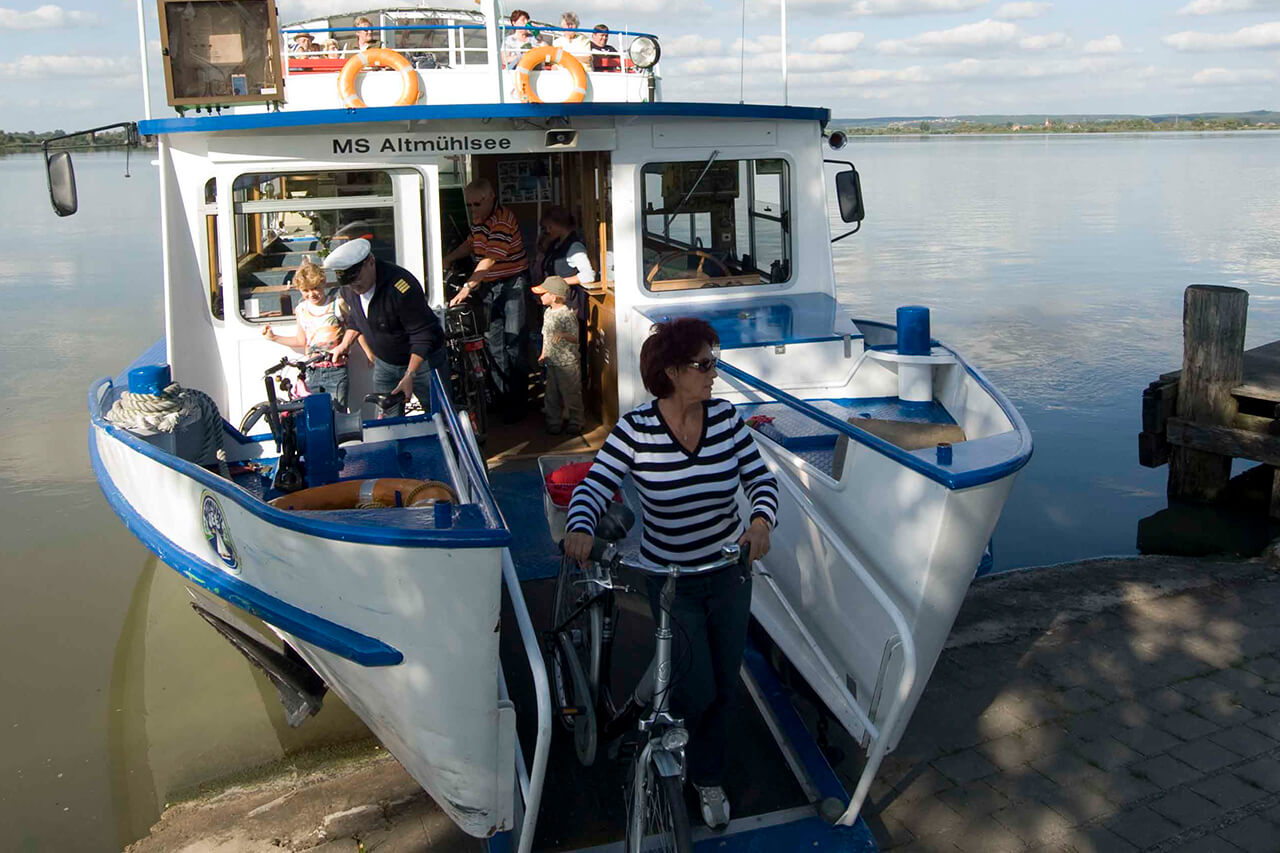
(216, 531)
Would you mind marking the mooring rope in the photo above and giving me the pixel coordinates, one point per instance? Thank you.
(164, 411)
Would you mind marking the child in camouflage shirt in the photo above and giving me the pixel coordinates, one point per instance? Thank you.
(563, 401)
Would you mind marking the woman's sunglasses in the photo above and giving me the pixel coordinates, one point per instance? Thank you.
(703, 365)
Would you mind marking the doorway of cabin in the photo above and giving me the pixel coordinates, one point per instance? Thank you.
(531, 185)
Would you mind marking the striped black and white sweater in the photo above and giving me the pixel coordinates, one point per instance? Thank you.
(689, 498)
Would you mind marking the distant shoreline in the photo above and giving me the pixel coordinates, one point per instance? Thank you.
(1002, 130)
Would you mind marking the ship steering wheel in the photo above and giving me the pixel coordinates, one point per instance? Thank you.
(702, 257)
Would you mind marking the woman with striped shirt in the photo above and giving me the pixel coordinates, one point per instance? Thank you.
(688, 454)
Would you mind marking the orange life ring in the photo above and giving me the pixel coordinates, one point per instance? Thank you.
(383, 57)
(359, 494)
(557, 56)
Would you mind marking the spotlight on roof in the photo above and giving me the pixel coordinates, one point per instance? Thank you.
(837, 139)
(561, 139)
(644, 52)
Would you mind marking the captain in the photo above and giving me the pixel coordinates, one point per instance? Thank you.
(389, 311)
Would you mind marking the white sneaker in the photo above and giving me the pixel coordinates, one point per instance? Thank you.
(715, 806)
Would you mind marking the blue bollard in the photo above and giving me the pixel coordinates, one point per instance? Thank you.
(150, 379)
(913, 330)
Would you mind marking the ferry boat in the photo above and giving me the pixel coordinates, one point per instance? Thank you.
(893, 454)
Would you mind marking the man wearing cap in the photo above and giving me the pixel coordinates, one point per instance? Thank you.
(501, 281)
(389, 310)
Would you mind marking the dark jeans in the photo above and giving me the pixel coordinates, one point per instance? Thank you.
(387, 376)
(713, 611)
(505, 334)
(332, 380)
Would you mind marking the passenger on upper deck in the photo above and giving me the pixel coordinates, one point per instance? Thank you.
(501, 281)
(389, 310)
(365, 38)
(575, 43)
(332, 49)
(304, 43)
(600, 47)
(517, 41)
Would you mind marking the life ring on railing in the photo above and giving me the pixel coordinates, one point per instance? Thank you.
(556, 56)
(368, 494)
(383, 57)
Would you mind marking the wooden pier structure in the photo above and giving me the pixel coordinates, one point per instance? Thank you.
(1223, 404)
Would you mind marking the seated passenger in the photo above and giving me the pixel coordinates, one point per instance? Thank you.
(365, 36)
(604, 56)
(303, 44)
(575, 43)
(332, 49)
(517, 41)
(321, 319)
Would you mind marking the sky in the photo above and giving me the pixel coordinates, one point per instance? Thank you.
(76, 64)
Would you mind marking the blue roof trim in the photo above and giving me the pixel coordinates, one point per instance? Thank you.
(495, 536)
(444, 112)
(974, 463)
(316, 630)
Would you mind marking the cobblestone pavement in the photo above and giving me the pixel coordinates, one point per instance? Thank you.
(1111, 705)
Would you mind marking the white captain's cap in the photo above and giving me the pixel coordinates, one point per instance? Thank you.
(347, 255)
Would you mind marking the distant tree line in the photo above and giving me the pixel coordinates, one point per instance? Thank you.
(23, 140)
(1118, 125)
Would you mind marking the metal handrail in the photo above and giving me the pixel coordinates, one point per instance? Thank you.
(542, 691)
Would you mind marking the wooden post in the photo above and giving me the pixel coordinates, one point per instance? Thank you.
(1213, 323)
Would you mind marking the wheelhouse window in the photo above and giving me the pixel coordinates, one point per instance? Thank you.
(717, 223)
(282, 218)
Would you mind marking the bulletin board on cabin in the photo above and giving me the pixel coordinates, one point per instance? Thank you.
(220, 52)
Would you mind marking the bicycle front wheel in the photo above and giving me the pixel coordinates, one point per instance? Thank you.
(657, 819)
(251, 417)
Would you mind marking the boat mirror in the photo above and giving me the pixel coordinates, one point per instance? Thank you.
(849, 194)
(62, 183)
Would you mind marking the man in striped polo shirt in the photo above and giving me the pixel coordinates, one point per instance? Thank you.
(500, 281)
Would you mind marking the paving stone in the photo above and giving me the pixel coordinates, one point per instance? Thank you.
(1080, 804)
(1166, 699)
(1186, 808)
(1148, 740)
(1186, 725)
(1142, 827)
(1026, 786)
(1077, 699)
(1203, 689)
(1228, 791)
(1091, 725)
(933, 844)
(1237, 679)
(1260, 700)
(1107, 754)
(1204, 755)
(1034, 825)
(1269, 725)
(926, 782)
(1123, 787)
(1224, 710)
(1165, 771)
(1096, 839)
(1131, 714)
(1205, 844)
(965, 766)
(928, 817)
(1263, 772)
(1253, 835)
(974, 799)
(1267, 666)
(1244, 741)
(1065, 768)
(988, 837)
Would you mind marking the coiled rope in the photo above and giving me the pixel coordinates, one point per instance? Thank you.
(164, 411)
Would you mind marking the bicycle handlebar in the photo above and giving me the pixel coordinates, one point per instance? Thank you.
(297, 364)
(730, 555)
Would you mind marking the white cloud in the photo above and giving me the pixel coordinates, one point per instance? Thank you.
(1233, 77)
(690, 44)
(1045, 41)
(1008, 70)
(45, 18)
(66, 66)
(845, 42)
(1022, 11)
(1261, 36)
(1218, 7)
(1106, 44)
(983, 34)
(900, 8)
(770, 8)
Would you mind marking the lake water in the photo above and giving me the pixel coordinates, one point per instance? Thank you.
(1055, 264)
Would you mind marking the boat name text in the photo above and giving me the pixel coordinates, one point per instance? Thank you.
(410, 145)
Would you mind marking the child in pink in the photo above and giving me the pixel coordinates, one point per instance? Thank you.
(321, 318)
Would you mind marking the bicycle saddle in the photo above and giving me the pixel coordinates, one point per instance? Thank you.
(385, 401)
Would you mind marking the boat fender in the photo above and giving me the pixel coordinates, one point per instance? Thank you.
(556, 56)
(382, 57)
(368, 494)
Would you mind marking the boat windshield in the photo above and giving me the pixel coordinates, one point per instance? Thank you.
(732, 228)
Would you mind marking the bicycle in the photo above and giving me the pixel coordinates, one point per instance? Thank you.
(469, 366)
(294, 389)
(584, 618)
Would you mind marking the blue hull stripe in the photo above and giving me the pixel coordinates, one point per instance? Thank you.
(444, 112)
(496, 536)
(313, 629)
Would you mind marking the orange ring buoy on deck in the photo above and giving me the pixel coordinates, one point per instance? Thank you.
(557, 56)
(383, 57)
(366, 494)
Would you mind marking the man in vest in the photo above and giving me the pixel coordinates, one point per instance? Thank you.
(501, 281)
(390, 311)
